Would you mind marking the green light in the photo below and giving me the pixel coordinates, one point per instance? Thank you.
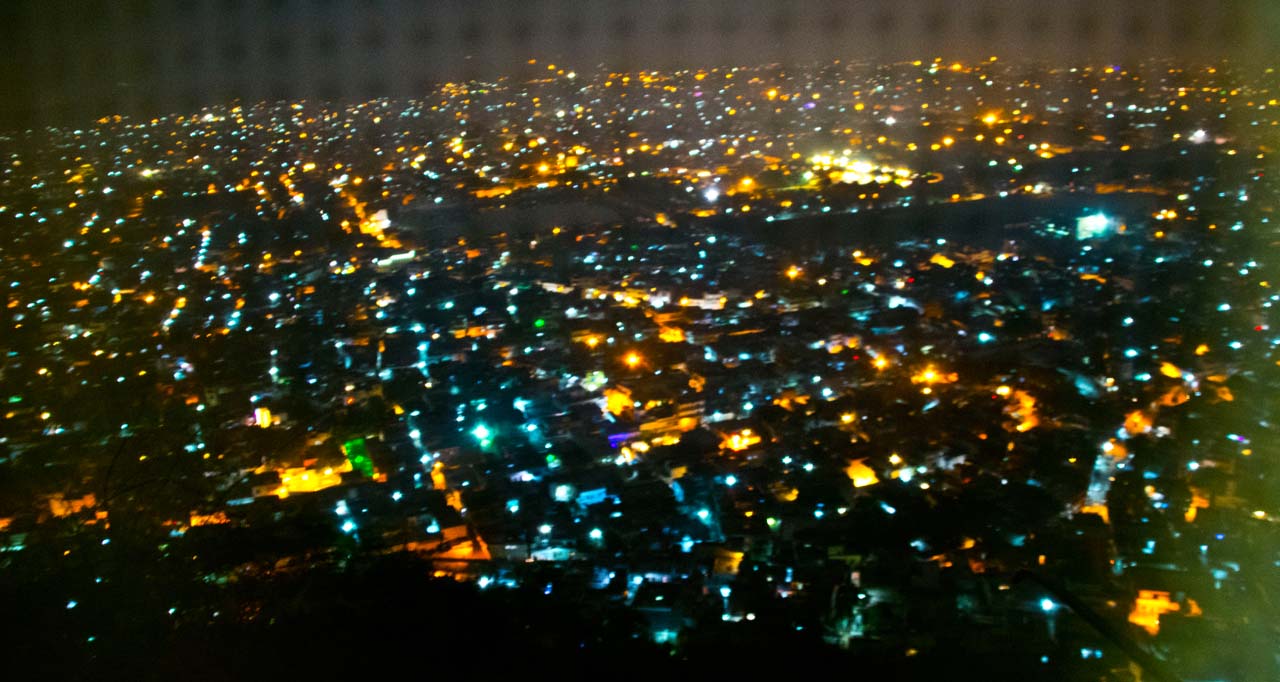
(481, 432)
(358, 455)
(539, 323)
(15, 399)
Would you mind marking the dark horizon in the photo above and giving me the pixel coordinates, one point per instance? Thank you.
(76, 61)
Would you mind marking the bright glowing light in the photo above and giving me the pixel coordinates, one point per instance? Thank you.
(348, 526)
(545, 529)
(596, 534)
(740, 441)
(481, 432)
(860, 474)
(711, 194)
(1091, 226)
(930, 376)
(730, 480)
(632, 360)
(1047, 605)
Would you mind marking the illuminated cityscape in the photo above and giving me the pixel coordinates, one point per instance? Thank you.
(909, 366)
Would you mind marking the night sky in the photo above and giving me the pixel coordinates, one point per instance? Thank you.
(69, 61)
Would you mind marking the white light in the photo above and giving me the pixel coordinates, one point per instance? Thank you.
(726, 591)
(348, 526)
(704, 514)
(1047, 605)
(1092, 225)
(730, 480)
(72, 604)
(596, 534)
(481, 432)
(545, 529)
(711, 194)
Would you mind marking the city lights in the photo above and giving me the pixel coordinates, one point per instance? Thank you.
(614, 342)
